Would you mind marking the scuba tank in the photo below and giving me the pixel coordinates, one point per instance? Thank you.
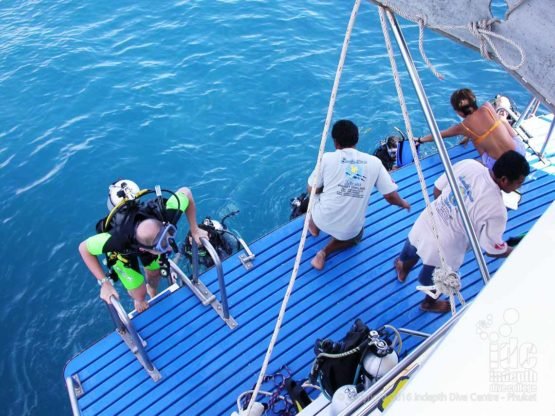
(224, 241)
(299, 205)
(379, 358)
(360, 359)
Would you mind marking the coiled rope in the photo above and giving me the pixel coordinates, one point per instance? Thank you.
(481, 30)
(295, 271)
(448, 281)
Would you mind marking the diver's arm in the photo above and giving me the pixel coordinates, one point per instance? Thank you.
(455, 130)
(92, 263)
(395, 199)
(191, 213)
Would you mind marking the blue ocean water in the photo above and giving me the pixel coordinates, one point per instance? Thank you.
(226, 97)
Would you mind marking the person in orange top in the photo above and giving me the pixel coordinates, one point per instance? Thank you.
(491, 134)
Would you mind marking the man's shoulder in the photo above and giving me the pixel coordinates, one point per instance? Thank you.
(358, 154)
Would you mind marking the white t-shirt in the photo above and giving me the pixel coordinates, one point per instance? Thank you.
(487, 212)
(348, 177)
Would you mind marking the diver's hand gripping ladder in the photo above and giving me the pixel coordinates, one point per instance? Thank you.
(199, 289)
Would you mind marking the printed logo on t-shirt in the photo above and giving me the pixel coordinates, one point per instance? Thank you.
(448, 208)
(354, 183)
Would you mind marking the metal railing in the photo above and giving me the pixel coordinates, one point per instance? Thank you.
(442, 150)
(530, 111)
(197, 286)
(219, 269)
(246, 259)
(531, 105)
(131, 337)
(548, 137)
(72, 396)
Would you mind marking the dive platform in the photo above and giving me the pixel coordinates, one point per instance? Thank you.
(204, 365)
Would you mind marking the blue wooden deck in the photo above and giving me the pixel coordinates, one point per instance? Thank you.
(205, 365)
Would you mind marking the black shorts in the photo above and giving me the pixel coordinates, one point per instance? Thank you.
(356, 239)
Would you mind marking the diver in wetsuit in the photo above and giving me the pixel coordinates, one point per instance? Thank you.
(134, 230)
(387, 152)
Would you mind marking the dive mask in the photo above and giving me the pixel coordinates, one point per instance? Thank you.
(392, 152)
(165, 240)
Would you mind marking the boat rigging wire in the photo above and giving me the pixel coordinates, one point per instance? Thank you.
(447, 279)
(481, 30)
(308, 216)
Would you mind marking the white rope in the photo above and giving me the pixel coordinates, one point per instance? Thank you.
(421, 178)
(481, 30)
(311, 203)
(421, 25)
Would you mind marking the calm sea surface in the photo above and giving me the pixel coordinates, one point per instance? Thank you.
(226, 97)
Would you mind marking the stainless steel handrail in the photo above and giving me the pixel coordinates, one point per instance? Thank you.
(442, 150)
(72, 397)
(364, 404)
(524, 134)
(123, 322)
(525, 113)
(413, 332)
(548, 137)
(220, 271)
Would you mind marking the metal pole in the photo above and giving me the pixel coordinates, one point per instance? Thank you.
(115, 318)
(525, 113)
(72, 398)
(522, 132)
(133, 334)
(217, 262)
(194, 253)
(362, 403)
(439, 143)
(534, 109)
(413, 332)
(549, 133)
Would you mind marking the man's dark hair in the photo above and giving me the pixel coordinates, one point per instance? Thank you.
(512, 165)
(345, 133)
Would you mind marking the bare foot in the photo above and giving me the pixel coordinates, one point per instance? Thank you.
(401, 273)
(319, 260)
(141, 305)
(314, 231)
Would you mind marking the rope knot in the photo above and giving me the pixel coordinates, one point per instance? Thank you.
(481, 29)
(446, 281)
